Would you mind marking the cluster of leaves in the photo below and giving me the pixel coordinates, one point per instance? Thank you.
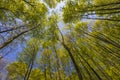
(84, 50)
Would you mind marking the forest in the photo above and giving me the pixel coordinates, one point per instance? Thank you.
(59, 39)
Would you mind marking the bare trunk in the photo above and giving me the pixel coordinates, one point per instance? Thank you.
(74, 63)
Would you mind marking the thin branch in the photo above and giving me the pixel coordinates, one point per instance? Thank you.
(15, 37)
(6, 9)
(107, 19)
(102, 9)
(13, 28)
(113, 3)
(32, 5)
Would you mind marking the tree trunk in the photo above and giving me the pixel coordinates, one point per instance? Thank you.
(74, 63)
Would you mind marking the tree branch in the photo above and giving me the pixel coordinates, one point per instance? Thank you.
(15, 37)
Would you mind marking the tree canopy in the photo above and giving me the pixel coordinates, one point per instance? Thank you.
(60, 39)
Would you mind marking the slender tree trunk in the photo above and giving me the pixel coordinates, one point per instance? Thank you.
(109, 41)
(27, 74)
(71, 56)
(50, 68)
(30, 70)
(74, 63)
(99, 78)
(86, 69)
(58, 64)
(45, 73)
(27, 71)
